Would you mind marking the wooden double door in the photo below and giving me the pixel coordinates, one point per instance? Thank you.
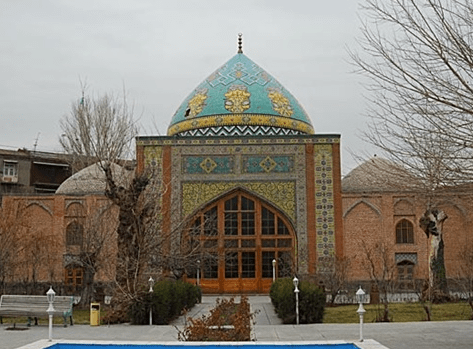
(240, 243)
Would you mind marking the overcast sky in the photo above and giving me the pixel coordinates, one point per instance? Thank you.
(161, 50)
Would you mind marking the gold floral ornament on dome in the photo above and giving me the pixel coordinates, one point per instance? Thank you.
(196, 104)
(237, 99)
(280, 103)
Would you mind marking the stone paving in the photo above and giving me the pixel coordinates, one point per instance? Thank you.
(268, 328)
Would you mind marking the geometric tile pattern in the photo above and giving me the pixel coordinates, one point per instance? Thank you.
(299, 139)
(410, 257)
(266, 164)
(280, 194)
(324, 206)
(208, 165)
(238, 123)
(154, 158)
(239, 130)
(224, 76)
(212, 164)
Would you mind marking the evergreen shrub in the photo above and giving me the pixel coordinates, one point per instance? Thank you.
(311, 301)
(168, 300)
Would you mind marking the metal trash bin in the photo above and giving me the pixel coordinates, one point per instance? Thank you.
(94, 314)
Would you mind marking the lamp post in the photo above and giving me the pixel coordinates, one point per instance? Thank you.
(50, 294)
(198, 272)
(151, 283)
(274, 270)
(295, 281)
(360, 297)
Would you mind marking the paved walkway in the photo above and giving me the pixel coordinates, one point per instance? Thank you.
(418, 335)
(261, 305)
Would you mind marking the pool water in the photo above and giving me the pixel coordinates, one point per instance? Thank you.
(209, 346)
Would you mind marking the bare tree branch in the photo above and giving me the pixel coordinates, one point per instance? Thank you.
(418, 56)
(98, 129)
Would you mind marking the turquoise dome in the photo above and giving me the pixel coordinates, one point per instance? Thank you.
(240, 98)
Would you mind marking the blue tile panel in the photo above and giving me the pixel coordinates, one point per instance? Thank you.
(206, 165)
(267, 164)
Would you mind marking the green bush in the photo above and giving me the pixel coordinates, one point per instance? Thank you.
(168, 300)
(311, 301)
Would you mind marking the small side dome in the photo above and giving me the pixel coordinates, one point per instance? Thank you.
(377, 175)
(91, 180)
(240, 99)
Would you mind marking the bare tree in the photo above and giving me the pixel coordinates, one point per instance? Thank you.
(90, 244)
(382, 270)
(335, 277)
(101, 130)
(432, 224)
(418, 57)
(98, 129)
(138, 229)
(465, 276)
(10, 227)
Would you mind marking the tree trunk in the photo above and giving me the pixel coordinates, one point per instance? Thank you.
(432, 223)
(87, 294)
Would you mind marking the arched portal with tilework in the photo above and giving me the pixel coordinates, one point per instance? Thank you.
(238, 237)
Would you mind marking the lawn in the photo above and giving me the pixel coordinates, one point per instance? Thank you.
(399, 312)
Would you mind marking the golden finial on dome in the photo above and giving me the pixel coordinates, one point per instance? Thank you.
(240, 44)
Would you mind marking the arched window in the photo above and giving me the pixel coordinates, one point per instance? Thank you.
(404, 232)
(74, 234)
(236, 240)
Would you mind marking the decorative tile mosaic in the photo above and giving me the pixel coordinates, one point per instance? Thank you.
(280, 194)
(240, 86)
(196, 103)
(207, 164)
(262, 164)
(153, 157)
(249, 74)
(237, 99)
(195, 182)
(244, 121)
(324, 206)
(238, 130)
(241, 147)
(281, 103)
(292, 140)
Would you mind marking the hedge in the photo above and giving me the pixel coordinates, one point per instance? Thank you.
(311, 301)
(168, 300)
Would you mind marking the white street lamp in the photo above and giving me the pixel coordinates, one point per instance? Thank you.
(50, 294)
(151, 283)
(274, 270)
(198, 272)
(295, 281)
(360, 297)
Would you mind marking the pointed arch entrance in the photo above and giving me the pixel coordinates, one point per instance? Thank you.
(238, 237)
